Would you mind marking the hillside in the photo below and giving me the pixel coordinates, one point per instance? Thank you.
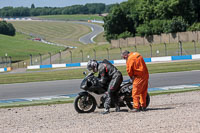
(60, 32)
(21, 46)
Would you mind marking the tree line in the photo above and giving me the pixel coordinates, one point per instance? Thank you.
(7, 28)
(90, 8)
(149, 17)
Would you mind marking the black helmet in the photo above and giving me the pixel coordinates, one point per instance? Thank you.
(92, 65)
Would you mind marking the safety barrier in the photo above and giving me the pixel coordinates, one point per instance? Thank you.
(6, 69)
(17, 19)
(153, 59)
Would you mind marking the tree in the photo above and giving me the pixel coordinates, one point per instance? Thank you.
(125, 34)
(95, 8)
(75, 9)
(177, 24)
(21, 11)
(3, 27)
(7, 11)
(148, 17)
(116, 23)
(11, 29)
(151, 28)
(165, 9)
(32, 6)
(144, 30)
(92, 8)
(194, 27)
(196, 7)
(108, 7)
(7, 28)
(145, 10)
(35, 11)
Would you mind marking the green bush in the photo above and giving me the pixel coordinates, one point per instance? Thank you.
(154, 27)
(144, 30)
(177, 24)
(194, 27)
(7, 28)
(109, 37)
(157, 26)
(125, 35)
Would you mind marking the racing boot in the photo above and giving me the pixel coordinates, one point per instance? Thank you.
(143, 109)
(117, 108)
(107, 105)
(106, 111)
(135, 110)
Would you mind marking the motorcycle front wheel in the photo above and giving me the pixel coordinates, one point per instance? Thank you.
(84, 104)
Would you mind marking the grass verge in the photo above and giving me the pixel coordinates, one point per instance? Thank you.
(21, 46)
(61, 32)
(153, 93)
(79, 17)
(68, 74)
(36, 103)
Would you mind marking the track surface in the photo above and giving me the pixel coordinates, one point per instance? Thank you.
(60, 87)
(88, 38)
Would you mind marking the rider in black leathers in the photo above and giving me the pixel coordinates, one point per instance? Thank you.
(108, 76)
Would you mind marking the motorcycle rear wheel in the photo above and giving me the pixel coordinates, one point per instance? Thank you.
(129, 103)
(84, 104)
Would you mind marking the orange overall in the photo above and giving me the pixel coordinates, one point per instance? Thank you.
(137, 68)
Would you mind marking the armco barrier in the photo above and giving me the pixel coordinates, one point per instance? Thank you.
(153, 59)
(6, 69)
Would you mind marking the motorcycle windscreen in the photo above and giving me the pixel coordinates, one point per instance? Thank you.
(84, 85)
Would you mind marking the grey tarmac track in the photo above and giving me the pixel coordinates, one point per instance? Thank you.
(63, 87)
(88, 38)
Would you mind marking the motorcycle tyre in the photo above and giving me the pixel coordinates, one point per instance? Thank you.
(82, 111)
(130, 103)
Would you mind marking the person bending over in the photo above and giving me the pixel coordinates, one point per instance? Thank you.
(138, 72)
(109, 76)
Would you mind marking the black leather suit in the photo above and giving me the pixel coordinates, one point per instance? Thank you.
(111, 77)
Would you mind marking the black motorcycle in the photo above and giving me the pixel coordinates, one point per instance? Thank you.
(94, 95)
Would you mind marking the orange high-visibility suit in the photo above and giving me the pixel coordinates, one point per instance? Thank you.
(137, 68)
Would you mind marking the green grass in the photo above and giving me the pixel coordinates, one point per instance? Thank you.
(36, 103)
(101, 39)
(174, 66)
(61, 32)
(153, 93)
(72, 17)
(168, 67)
(41, 76)
(21, 46)
(77, 73)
